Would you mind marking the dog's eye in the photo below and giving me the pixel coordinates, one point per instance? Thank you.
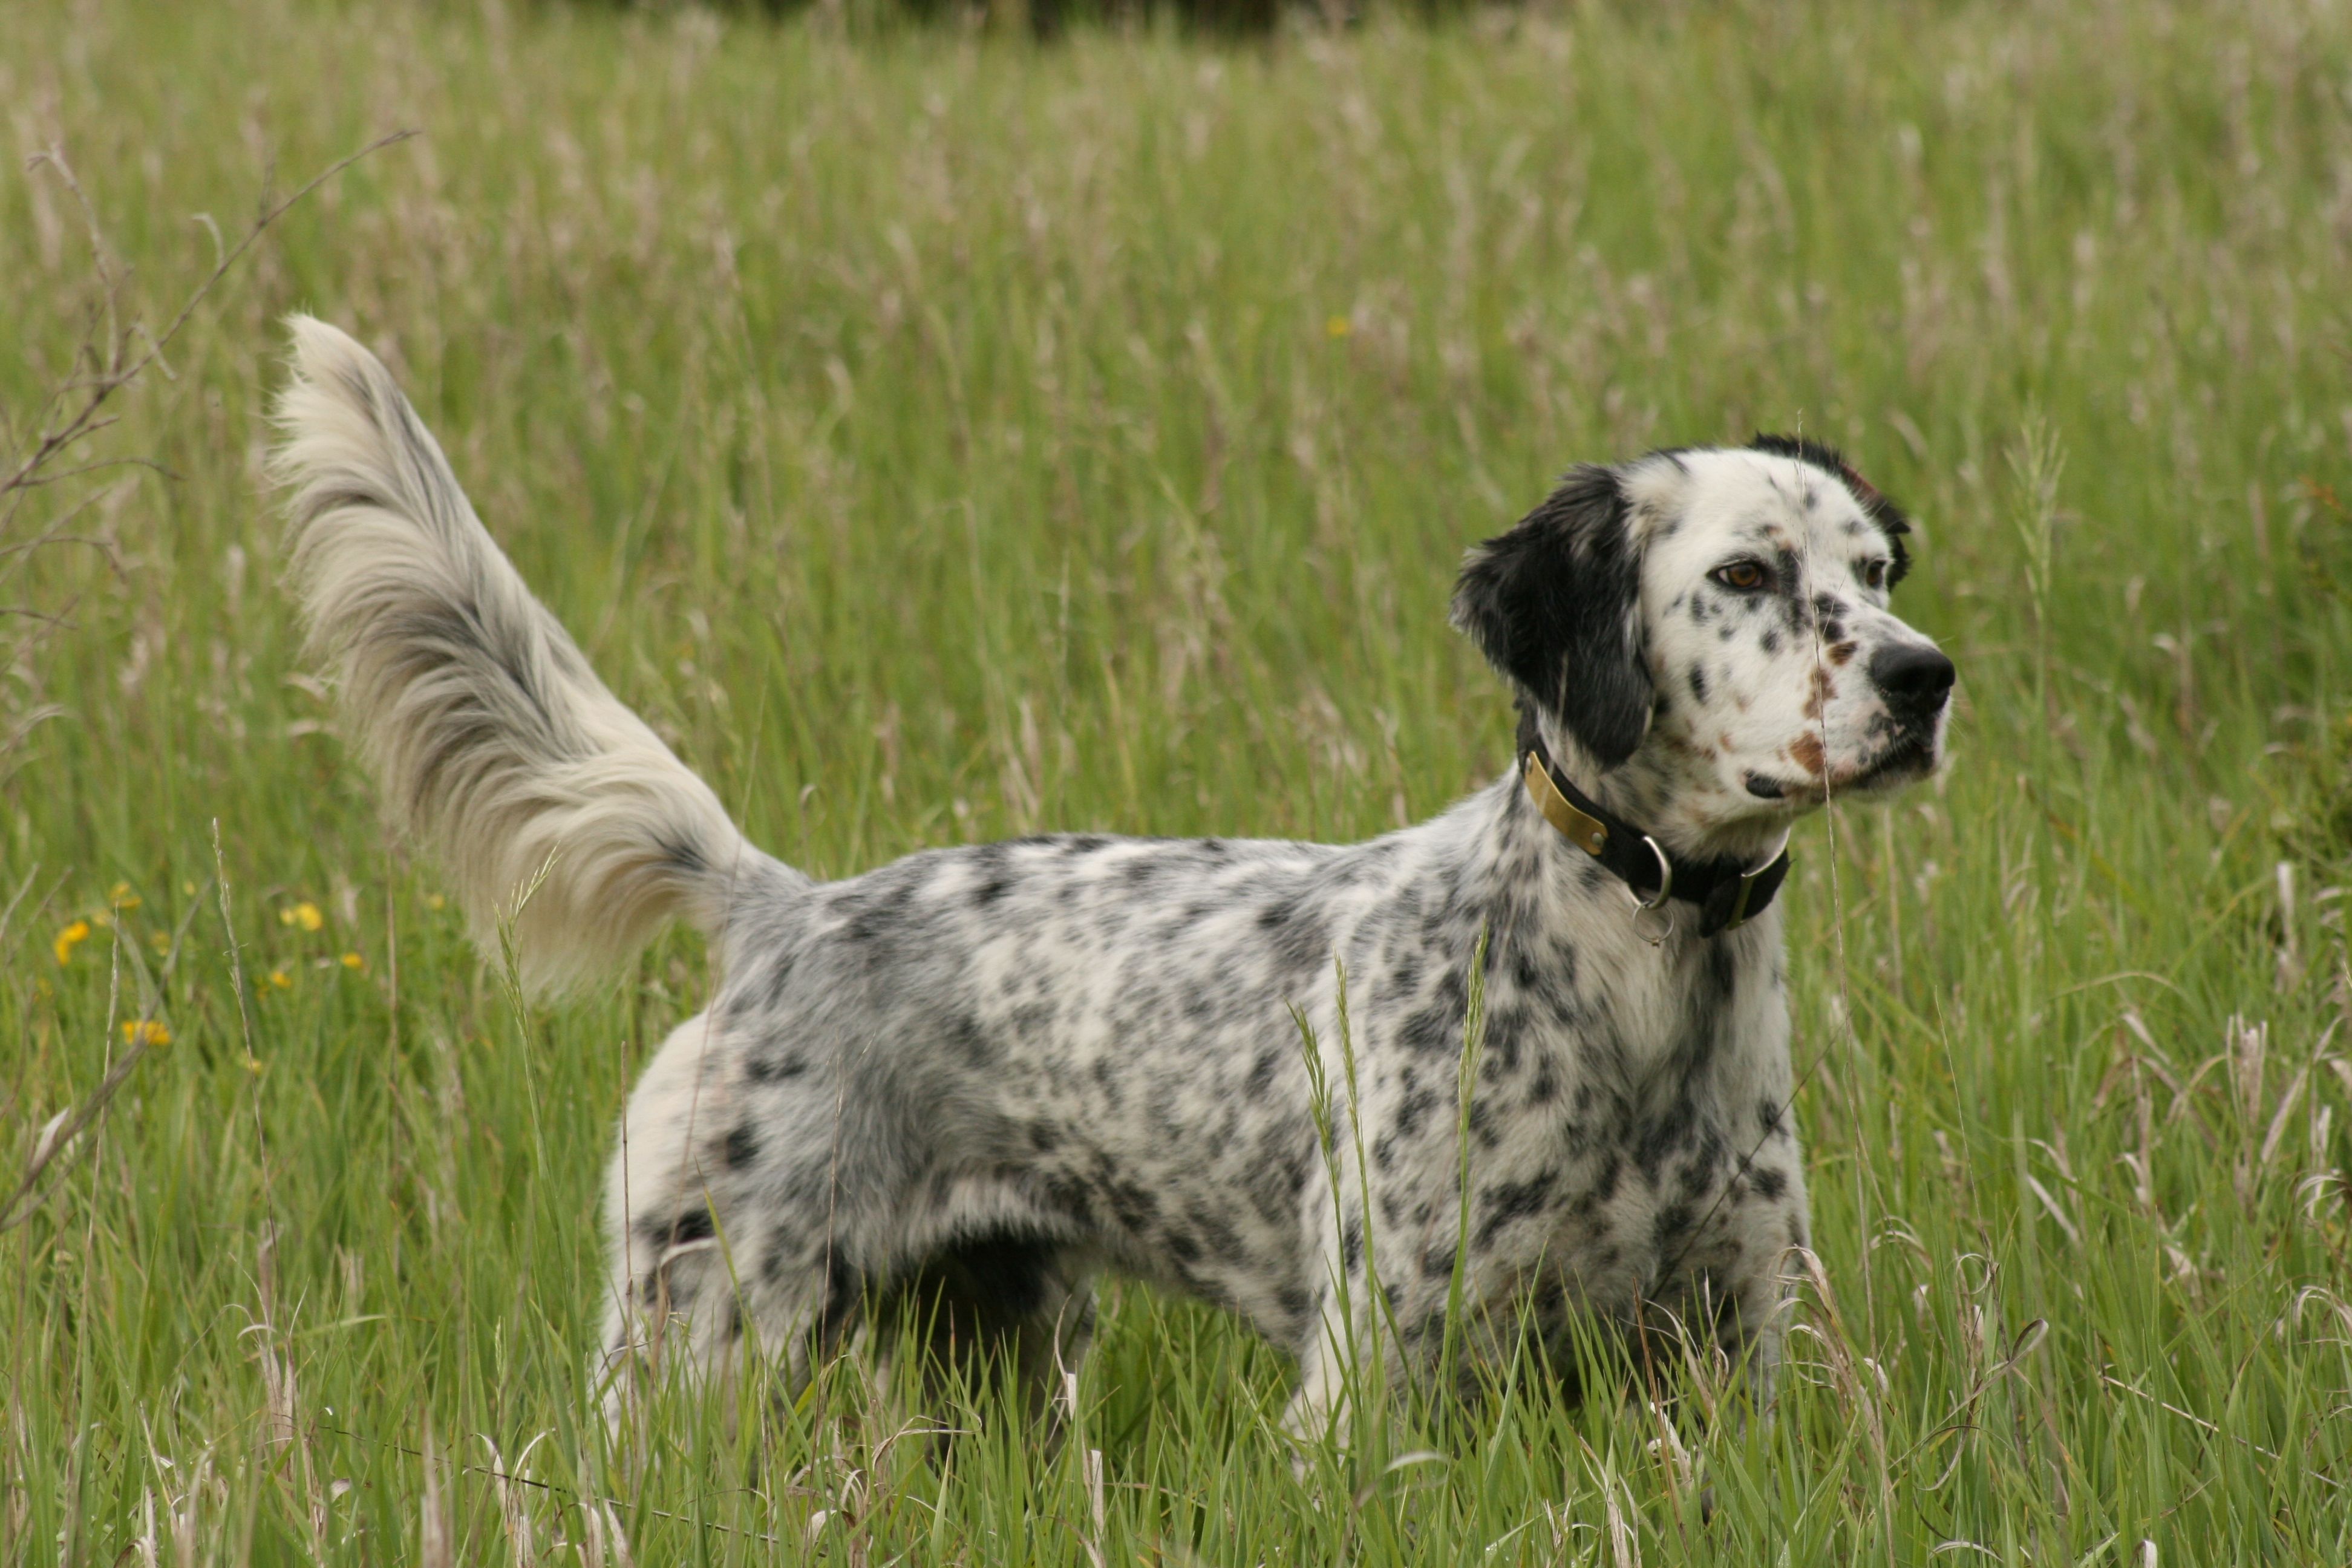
(1874, 574)
(1746, 577)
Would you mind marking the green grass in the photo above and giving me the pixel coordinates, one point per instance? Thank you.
(940, 437)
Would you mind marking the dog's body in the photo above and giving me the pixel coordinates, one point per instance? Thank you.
(981, 1074)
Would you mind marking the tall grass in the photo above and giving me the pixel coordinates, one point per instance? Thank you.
(940, 437)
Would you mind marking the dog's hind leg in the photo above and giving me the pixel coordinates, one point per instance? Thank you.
(703, 1274)
(699, 1290)
(657, 1238)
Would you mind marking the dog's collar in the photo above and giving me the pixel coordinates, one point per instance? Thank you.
(1728, 894)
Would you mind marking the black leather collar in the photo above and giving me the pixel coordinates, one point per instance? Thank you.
(1727, 893)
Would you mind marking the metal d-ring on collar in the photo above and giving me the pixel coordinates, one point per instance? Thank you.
(1651, 906)
(1665, 878)
(1747, 879)
(1728, 893)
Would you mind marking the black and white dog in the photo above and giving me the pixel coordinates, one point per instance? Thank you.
(983, 1073)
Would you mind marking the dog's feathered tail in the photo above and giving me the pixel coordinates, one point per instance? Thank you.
(492, 741)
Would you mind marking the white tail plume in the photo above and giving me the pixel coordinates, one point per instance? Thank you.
(493, 742)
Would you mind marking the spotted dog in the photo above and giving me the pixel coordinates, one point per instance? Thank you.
(980, 1076)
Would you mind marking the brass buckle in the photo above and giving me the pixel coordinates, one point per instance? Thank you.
(1589, 833)
(1586, 832)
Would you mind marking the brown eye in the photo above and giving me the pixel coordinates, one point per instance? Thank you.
(1874, 574)
(1746, 577)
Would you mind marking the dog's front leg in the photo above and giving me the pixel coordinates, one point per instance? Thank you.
(1321, 1398)
(1349, 1366)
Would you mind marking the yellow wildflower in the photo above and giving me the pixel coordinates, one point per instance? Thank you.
(304, 914)
(353, 961)
(159, 942)
(121, 898)
(254, 1063)
(149, 1033)
(1338, 326)
(280, 979)
(71, 938)
(435, 902)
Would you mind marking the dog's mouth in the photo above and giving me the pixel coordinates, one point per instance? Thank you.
(1911, 758)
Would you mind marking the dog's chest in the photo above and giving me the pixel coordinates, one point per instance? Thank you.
(1628, 1136)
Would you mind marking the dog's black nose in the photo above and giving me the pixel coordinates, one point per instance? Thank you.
(1916, 678)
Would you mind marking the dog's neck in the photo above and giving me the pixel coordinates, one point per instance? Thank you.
(1651, 790)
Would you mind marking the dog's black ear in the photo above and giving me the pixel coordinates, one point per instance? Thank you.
(1555, 605)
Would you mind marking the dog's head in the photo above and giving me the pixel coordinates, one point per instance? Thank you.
(1706, 634)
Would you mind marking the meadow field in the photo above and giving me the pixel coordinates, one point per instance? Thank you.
(940, 437)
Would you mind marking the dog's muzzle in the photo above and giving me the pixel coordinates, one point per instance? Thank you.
(1916, 680)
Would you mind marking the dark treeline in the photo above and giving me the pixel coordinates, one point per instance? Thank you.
(1050, 18)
